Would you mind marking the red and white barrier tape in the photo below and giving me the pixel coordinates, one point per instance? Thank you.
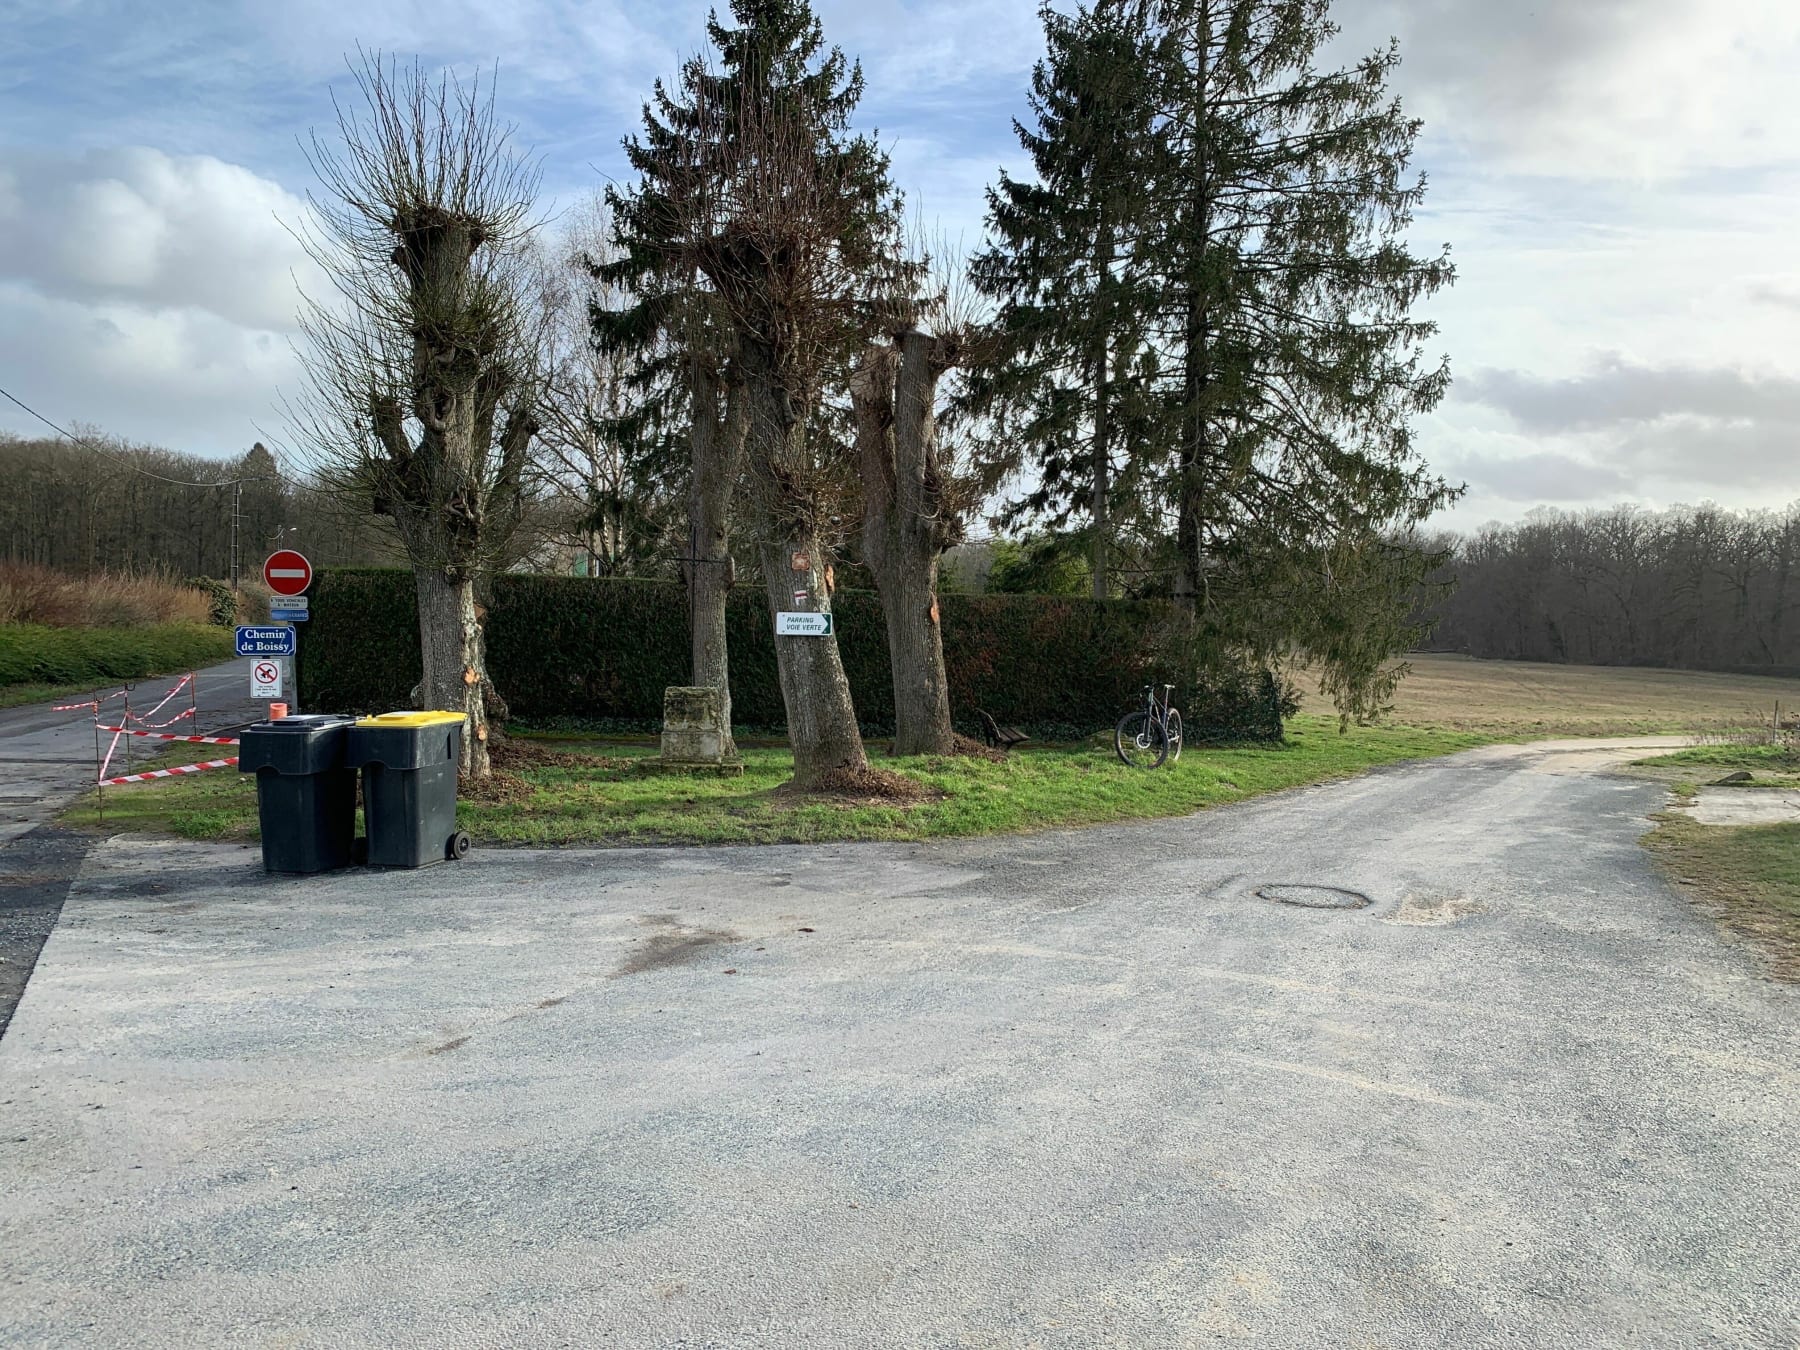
(165, 736)
(180, 684)
(93, 703)
(152, 726)
(176, 772)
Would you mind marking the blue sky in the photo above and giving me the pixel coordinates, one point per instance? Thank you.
(1619, 179)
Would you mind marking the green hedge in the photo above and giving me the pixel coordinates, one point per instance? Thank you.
(221, 600)
(30, 654)
(576, 649)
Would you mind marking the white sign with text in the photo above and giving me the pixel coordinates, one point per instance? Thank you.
(802, 624)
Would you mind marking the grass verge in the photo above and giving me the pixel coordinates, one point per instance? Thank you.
(1746, 876)
(572, 792)
(38, 663)
(1767, 765)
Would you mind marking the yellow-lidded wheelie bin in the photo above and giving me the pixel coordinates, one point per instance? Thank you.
(408, 762)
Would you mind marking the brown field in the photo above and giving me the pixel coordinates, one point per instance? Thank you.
(33, 594)
(1518, 698)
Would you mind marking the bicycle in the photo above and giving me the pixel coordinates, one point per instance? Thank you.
(1145, 739)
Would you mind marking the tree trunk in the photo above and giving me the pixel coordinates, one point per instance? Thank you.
(454, 650)
(717, 445)
(906, 528)
(1190, 524)
(821, 716)
(1101, 503)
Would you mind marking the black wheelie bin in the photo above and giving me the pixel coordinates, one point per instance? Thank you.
(408, 762)
(305, 791)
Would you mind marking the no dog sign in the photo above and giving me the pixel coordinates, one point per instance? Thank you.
(265, 679)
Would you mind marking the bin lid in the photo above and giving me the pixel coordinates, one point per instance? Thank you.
(295, 724)
(411, 719)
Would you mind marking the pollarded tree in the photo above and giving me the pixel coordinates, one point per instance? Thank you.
(424, 370)
(1293, 361)
(797, 237)
(1068, 384)
(913, 505)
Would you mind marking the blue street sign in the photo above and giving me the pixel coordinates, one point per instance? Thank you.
(287, 615)
(266, 640)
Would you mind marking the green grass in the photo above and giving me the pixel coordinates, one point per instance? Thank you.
(38, 663)
(1747, 876)
(18, 695)
(1768, 765)
(600, 797)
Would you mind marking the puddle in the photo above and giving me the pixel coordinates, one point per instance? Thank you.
(1313, 897)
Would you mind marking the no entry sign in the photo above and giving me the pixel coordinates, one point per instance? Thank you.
(287, 572)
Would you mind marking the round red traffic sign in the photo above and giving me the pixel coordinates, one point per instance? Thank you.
(287, 572)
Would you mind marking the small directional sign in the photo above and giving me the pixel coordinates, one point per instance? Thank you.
(265, 679)
(803, 624)
(265, 640)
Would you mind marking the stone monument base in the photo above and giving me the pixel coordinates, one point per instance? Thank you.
(695, 738)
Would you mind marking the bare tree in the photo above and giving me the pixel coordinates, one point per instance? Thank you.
(602, 450)
(424, 369)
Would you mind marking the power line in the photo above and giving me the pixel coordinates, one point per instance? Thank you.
(121, 459)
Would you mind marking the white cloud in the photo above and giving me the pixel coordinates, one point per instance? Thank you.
(1632, 89)
(181, 377)
(139, 227)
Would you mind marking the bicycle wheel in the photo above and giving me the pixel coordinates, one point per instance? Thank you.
(1174, 735)
(1141, 743)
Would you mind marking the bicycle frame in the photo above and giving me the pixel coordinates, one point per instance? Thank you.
(1158, 713)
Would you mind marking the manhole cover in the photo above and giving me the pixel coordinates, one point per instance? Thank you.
(1313, 897)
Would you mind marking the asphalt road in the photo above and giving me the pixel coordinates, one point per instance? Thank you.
(1081, 1089)
(47, 757)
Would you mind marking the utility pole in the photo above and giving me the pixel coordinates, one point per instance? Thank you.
(237, 519)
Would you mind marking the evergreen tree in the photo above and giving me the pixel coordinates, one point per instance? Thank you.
(663, 318)
(1293, 363)
(755, 194)
(1061, 262)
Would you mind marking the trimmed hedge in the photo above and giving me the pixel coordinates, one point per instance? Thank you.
(32, 654)
(578, 649)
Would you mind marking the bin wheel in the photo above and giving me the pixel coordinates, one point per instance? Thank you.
(458, 847)
(359, 851)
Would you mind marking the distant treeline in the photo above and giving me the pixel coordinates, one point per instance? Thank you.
(106, 506)
(1702, 588)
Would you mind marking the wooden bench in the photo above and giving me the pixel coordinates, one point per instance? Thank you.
(997, 736)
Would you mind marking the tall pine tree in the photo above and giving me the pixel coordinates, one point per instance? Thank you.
(1061, 264)
(1294, 362)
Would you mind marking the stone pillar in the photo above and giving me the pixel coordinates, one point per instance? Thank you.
(694, 731)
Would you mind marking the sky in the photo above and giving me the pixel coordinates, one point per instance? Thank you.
(1619, 181)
